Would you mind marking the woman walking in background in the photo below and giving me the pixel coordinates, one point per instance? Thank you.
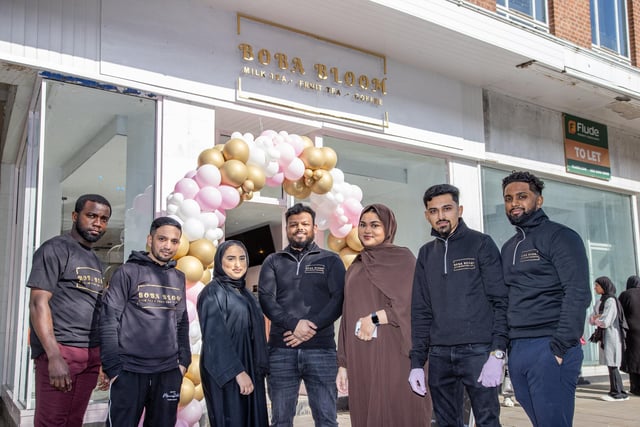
(630, 302)
(375, 330)
(608, 317)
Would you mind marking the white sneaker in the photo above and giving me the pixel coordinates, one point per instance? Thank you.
(508, 402)
(609, 398)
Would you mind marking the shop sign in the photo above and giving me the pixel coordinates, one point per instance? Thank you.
(586, 147)
(294, 69)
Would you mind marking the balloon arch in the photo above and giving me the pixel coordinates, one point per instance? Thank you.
(227, 175)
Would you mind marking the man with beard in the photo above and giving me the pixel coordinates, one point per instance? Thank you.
(144, 332)
(458, 315)
(66, 287)
(546, 270)
(301, 292)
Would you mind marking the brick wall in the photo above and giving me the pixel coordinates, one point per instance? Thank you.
(633, 11)
(570, 20)
(487, 4)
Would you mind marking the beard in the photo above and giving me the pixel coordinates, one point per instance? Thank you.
(301, 244)
(86, 235)
(517, 220)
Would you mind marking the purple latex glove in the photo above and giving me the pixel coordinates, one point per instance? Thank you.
(416, 379)
(491, 375)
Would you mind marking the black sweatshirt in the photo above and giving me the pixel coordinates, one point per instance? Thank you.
(547, 273)
(144, 325)
(459, 296)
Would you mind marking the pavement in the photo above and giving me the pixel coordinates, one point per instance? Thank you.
(590, 411)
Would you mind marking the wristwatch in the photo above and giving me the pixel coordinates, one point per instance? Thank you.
(374, 319)
(498, 354)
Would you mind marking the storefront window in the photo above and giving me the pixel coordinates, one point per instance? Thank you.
(602, 218)
(93, 141)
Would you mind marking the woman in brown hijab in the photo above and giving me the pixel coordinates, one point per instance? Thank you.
(375, 330)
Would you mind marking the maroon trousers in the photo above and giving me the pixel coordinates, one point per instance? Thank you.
(59, 408)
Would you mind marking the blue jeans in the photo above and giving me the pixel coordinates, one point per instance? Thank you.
(318, 368)
(451, 370)
(546, 390)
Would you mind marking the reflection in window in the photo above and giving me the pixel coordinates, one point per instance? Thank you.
(609, 25)
(602, 218)
(518, 9)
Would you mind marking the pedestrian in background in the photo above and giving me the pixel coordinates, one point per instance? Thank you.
(630, 301)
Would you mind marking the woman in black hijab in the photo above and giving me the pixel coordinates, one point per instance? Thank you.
(630, 301)
(234, 357)
(608, 317)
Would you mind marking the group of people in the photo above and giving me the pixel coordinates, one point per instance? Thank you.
(446, 319)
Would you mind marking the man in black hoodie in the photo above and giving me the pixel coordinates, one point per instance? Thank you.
(458, 315)
(547, 273)
(144, 332)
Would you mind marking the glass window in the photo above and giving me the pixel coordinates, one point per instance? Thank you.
(93, 141)
(609, 25)
(518, 9)
(602, 218)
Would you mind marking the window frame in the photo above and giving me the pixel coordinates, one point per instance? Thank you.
(595, 30)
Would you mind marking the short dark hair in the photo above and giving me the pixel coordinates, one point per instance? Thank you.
(299, 208)
(162, 221)
(535, 184)
(439, 190)
(96, 198)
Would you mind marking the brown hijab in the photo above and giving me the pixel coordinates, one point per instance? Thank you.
(390, 269)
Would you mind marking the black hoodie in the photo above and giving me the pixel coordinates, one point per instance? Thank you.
(144, 325)
(546, 269)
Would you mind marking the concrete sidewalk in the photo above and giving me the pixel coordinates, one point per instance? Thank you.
(591, 411)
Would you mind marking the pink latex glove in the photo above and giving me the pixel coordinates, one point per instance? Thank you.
(416, 379)
(491, 375)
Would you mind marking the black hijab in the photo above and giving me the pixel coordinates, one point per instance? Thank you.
(218, 271)
(633, 282)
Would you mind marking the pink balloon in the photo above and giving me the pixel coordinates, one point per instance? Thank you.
(297, 143)
(340, 230)
(209, 199)
(190, 174)
(188, 187)
(287, 153)
(222, 216)
(275, 180)
(141, 423)
(181, 423)
(230, 197)
(192, 312)
(194, 291)
(208, 175)
(352, 209)
(191, 412)
(294, 170)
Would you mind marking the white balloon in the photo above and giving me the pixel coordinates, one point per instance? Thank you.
(209, 220)
(236, 134)
(338, 176)
(257, 157)
(172, 209)
(273, 154)
(272, 169)
(248, 137)
(194, 332)
(356, 192)
(189, 208)
(193, 229)
(196, 348)
(177, 218)
(287, 153)
(175, 198)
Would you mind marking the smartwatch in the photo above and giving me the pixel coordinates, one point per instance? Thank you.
(498, 354)
(374, 319)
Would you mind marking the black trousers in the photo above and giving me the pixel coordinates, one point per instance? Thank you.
(615, 383)
(157, 394)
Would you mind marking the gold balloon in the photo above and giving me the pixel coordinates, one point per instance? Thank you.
(256, 175)
(312, 157)
(330, 158)
(247, 196)
(236, 149)
(191, 267)
(204, 250)
(307, 141)
(193, 372)
(218, 147)
(306, 192)
(347, 255)
(308, 173)
(309, 182)
(206, 276)
(248, 186)
(336, 243)
(211, 156)
(353, 241)
(318, 174)
(198, 393)
(293, 187)
(323, 185)
(183, 249)
(187, 391)
(233, 172)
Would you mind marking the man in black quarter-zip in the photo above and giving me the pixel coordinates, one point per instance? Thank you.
(458, 315)
(301, 292)
(546, 270)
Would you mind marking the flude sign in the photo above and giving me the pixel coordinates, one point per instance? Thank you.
(586, 147)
